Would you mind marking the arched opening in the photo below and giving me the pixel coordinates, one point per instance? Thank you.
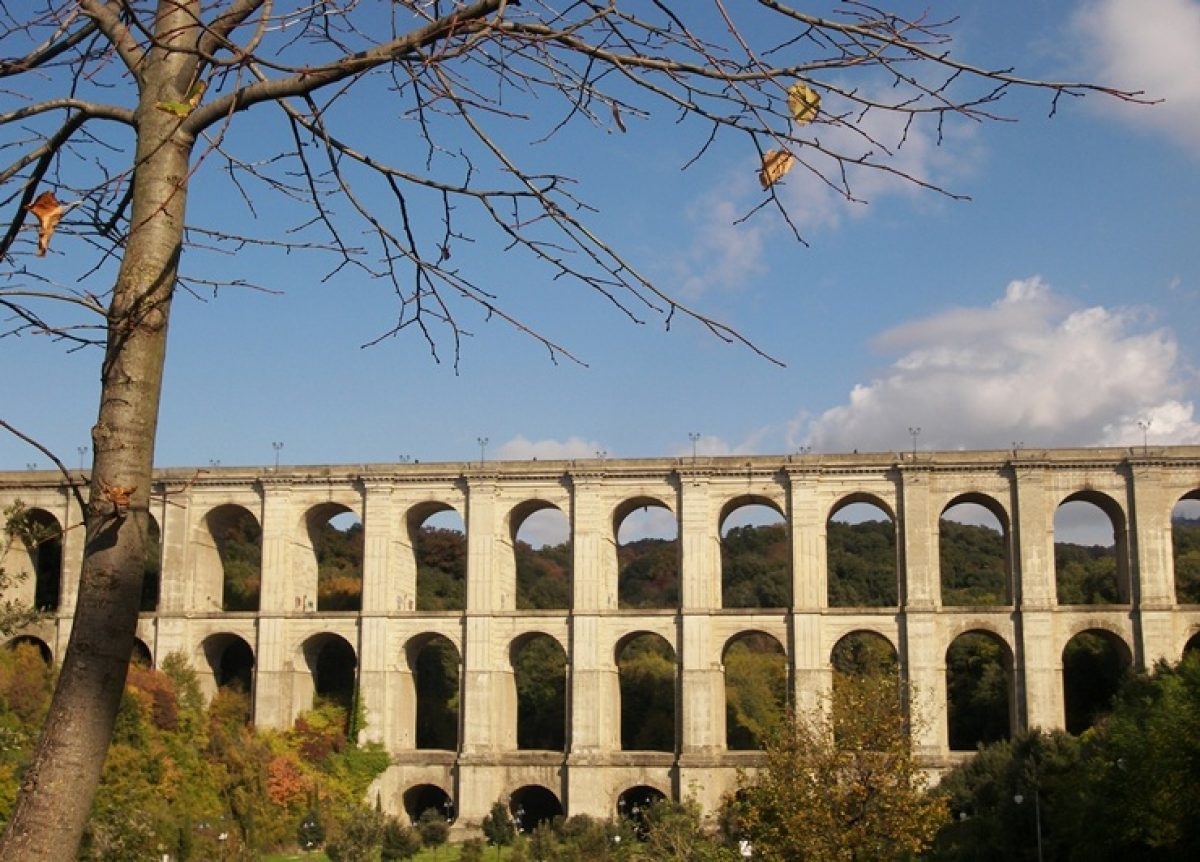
(756, 689)
(861, 547)
(540, 674)
(1192, 644)
(428, 797)
(863, 653)
(542, 554)
(42, 536)
(238, 538)
(231, 661)
(26, 685)
(439, 542)
(1089, 547)
(32, 645)
(973, 554)
(646, 673)
(1185, 545)
(140, 655)
(634, 802)
(336, 535)
(436, 666)
(647, 554)
(1094, 664)
(333, 665)
(865, 667)
(152, 571)
(531, 805)
(979, 690)
(756, 556)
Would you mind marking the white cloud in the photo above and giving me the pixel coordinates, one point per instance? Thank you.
(725, 255)
(1137, 45)
(520, 448)
(1028, 368)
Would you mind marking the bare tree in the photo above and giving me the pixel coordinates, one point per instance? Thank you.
(388, 132)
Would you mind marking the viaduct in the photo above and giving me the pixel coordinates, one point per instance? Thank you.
(284, 648)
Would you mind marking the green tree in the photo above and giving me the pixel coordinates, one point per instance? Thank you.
(972, 562)
(433, 828)
(1141, 769)
(862, 564)
(498, 827)
(840, 783)
(359, 836)
(675, 831)
(128, 107)
(755, 567)
(399, 841)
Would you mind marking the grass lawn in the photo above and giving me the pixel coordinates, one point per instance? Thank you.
(447, 853)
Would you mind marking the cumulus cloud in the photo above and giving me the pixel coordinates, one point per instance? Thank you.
(1030, 368)
(520, 448)
(1151, 47)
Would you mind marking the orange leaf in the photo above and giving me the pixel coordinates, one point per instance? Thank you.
(49, 212)
(775, 164)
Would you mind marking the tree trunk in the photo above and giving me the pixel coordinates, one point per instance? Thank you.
(57, 791)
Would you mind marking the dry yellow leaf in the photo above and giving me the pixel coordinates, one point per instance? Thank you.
(775, 164)
(803, 102)
(49, 212)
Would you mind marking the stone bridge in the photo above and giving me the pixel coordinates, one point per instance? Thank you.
(287, 649)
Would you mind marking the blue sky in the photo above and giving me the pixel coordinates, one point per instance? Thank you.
(1057, 307)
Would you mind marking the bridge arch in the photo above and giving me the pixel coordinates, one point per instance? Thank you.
(635, 802)
(420, 798)
(533, 804)
(980, 689)
(227, 559)
(33, 642)
(230, 661)
(974, 552)
(1192, 643)
(1094, 662)
(756, 688)
(864, 651)
(647, 674)
(328, 562)
(1092, 576)
(652, 579)
(438, 561)
(332, 672)
(756, 569)
(541, 573)
(41, 543)
(539, 678)
(862, 553)
(435, 666)
(141, 655)
(1185, 548)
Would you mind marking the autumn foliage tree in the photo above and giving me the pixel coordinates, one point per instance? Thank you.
(119, 115)
(841, 782)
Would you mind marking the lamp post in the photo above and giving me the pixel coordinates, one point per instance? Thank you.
(695, 438)
(82, 450)
(1037, 817)
(482, 441)
(277, 445)
(1144, 424)
(915, 431)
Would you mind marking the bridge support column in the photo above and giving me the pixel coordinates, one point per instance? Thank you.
(925, 662)
(272, 676)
